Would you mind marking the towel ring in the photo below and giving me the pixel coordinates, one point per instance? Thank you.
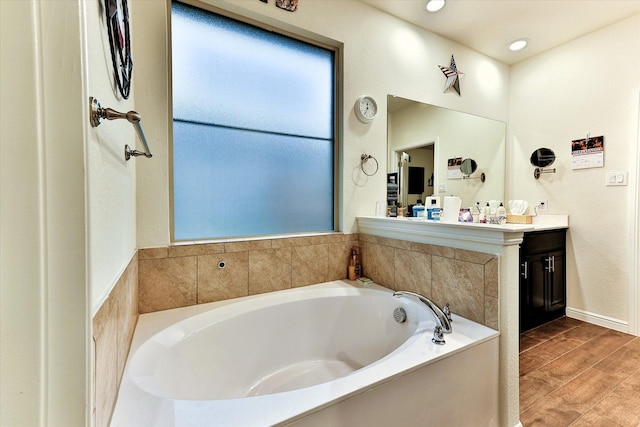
(363, 160)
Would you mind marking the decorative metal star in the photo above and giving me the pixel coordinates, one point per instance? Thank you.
(452, 73)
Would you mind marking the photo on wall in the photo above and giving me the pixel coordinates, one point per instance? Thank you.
(453, 168)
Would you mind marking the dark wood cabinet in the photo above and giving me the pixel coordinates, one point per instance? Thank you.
(542, 277)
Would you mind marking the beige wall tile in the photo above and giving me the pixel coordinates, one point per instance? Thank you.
(113, 327)
(309, 264)
(338, 260)
(468, 280)
(472, 256)
(491, 272)
(394, 243)
(249, 245)
(294, 241)
(216, 284)
(460, 284)
(125, 297)
(105, 338)
(167, 283)
(413, 272)
(368, 238)
(433, 250)
(269, 270)
(151, 253)
(491, 316)
(194, 250)
(379, 264)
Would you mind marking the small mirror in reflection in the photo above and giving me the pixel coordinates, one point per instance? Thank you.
(468, 166)
(543, 157)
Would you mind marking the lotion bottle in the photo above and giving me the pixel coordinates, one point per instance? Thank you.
(501, 214)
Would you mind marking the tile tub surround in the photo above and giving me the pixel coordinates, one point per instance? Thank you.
(113, 327)
(467, 280)
(179, 276)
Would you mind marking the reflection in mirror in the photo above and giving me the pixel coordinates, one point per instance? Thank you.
(543, 157)
(424, 136)
(469, 166)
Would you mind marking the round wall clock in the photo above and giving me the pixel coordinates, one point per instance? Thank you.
(366, 109)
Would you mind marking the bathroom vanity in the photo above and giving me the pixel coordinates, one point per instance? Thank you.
(542, 277)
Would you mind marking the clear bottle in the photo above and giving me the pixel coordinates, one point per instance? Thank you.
(489, 216)
(475, 212)
(501, 214)
(355, 269)
(483, 215)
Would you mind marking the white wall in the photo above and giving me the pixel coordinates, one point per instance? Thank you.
(382, 55)
(20, 238)
(587, 85)
(111, 181)
(44, 316)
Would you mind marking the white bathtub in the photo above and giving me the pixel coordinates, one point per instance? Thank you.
(328, 354)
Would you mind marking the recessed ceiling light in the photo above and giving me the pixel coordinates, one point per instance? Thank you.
(434, 5)
(517, 45)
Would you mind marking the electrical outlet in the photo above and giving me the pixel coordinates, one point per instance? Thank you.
(542, 206)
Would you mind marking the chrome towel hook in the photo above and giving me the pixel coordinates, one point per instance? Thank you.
(97, 113)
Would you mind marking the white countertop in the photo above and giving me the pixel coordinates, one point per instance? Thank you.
(465, 235)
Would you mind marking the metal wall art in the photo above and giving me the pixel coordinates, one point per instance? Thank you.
(289, 5)
(452, 74)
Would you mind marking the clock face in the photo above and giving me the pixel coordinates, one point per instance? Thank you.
(366, 109)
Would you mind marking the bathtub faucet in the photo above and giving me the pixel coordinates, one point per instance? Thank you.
(441, 317)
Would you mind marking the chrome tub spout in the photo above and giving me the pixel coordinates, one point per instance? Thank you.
(441, 317)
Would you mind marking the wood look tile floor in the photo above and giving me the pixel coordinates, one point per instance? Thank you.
(577, 374)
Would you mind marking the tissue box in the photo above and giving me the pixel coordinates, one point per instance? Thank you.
(519, 219)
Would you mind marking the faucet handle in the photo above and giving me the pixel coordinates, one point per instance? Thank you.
(438, 336)
(447, 312)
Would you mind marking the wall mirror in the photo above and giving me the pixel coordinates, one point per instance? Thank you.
(541, 158)
(434, 139)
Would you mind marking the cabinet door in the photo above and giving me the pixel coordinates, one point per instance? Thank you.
(537, 280)
(556, 299)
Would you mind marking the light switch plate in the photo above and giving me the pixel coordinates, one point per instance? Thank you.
(617, 178)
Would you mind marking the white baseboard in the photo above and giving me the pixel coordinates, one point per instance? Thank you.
(598, 319)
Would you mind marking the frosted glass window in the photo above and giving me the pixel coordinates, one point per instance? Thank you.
(253, 129)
